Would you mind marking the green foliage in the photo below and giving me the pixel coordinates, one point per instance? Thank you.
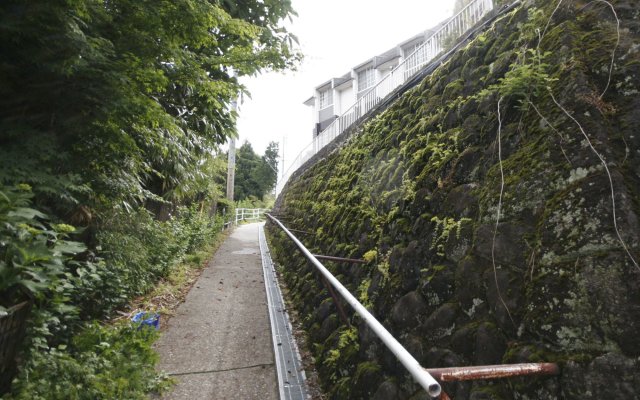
(383, 269)
(370, 255)
(34, 254)
(135, 252)
(347, 347)
(267, 170)
(363, 293)
(111, 104)
(138, 251)
(113, 112)
(101, 362)
(209, 187)
(70, 283)
(444, 227)
(252, 202)
(528, 78)
(255, 175)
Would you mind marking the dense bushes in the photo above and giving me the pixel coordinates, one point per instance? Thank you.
(99, 363)
(111, 118)
(139, 250)
(65, 355)
(39, 263)
(32, 250)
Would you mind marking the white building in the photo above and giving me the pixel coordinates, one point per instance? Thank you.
(337, 95)
(341, 102)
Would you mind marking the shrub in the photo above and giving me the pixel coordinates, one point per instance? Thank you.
(112, 362)
(64, 357)
(33, 251)
(37, 260)
(137, 251)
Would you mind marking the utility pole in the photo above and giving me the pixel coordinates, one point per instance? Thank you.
(231, 168)
(231, 161)
(282, 157)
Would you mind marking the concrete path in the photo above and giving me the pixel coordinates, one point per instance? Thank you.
(218, 345)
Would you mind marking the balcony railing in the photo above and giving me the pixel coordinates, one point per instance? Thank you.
(442, 39)
(326, 113)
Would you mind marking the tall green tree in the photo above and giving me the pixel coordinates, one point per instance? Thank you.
(245, 183)
(255, 175)
(267, 171)
(110, 109)
(110, 103)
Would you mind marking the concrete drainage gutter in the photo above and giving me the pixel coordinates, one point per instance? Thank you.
(291, 376)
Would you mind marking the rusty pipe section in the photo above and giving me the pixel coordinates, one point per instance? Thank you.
(493, 371)
(421, 375)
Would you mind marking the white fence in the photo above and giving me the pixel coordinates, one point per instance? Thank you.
(441, 40)
(249, 214)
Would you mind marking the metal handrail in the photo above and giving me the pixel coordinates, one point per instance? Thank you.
(426, 377)
(421, 375)
(434, 45)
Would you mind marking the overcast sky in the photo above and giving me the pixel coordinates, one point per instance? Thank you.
(334, 35)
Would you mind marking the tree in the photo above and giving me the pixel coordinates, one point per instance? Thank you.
(255, 175)
(111, 103)
(110, 109)
(268, 170)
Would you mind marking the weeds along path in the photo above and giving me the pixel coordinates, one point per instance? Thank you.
(218, 344)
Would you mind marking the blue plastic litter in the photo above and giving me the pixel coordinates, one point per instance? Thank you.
(144, 318)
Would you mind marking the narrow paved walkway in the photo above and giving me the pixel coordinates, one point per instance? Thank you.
(218, 345)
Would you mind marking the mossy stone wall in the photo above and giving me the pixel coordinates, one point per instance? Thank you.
(489, 240)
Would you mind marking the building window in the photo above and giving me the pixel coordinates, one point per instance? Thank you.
(366, 79)
(326, 99)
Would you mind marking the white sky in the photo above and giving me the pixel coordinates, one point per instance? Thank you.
(334, 35)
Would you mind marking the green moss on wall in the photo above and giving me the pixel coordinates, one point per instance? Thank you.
(421, 185)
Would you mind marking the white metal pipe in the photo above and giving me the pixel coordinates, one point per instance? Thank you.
(410, 363)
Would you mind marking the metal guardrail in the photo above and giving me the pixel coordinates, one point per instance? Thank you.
(439, 41)
(249, 214)
(411, 364)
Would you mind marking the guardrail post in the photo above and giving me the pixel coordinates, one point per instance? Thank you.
(336, 300)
